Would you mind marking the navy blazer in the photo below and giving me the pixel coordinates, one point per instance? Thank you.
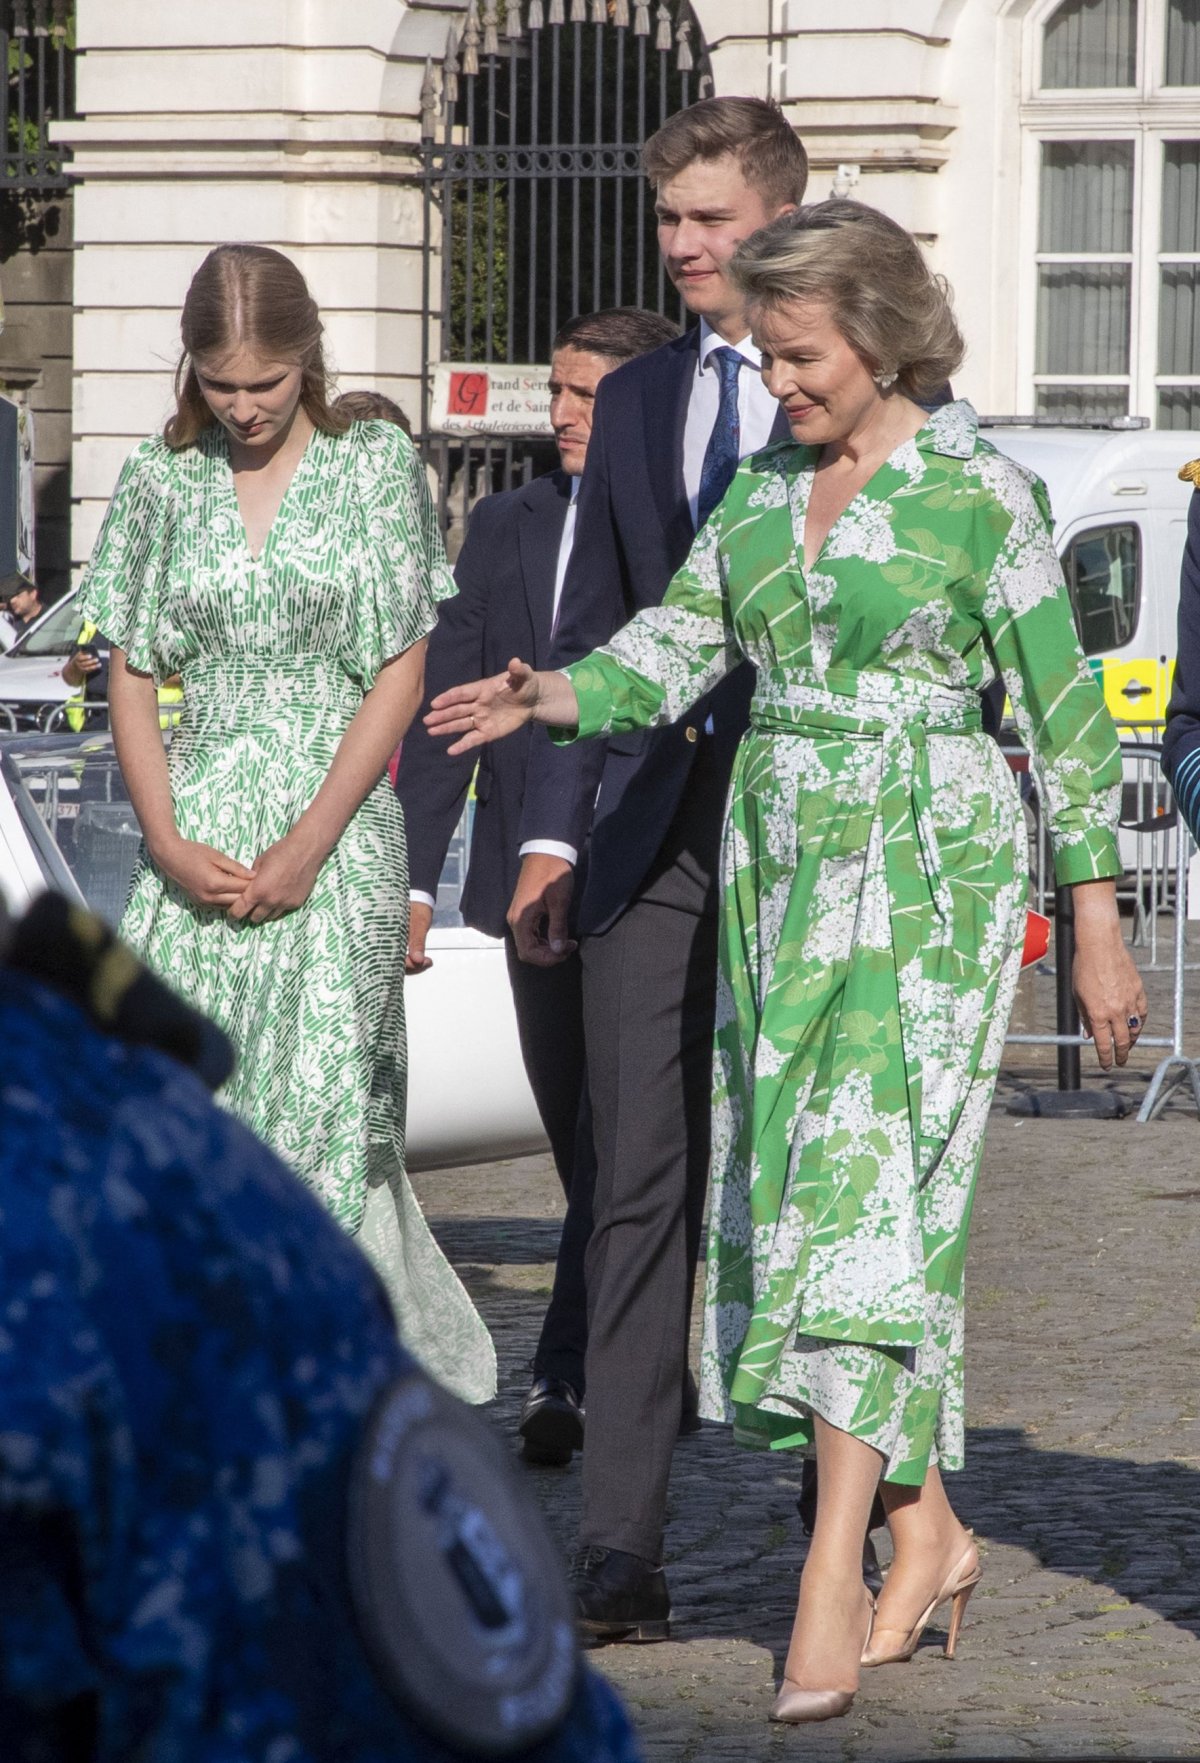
(504, 607)
(1181, 742)
(633, 529)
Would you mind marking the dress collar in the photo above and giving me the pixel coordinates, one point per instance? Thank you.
(951, 429)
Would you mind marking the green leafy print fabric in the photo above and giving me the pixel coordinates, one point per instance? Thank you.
(276, 653)
(873, 908)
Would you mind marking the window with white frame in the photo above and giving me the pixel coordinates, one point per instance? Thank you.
(1114, 121)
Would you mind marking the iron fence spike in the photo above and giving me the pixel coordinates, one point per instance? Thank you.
(683, 36)
(578, 11)
(557, 15)
(537, 16)
(491, 34)
(620, 14)
(513, 28)
(599, 12)
(641, 19)
(470, 41)
(662, 41)
(450, 71)
(429, 101)
(20, 24)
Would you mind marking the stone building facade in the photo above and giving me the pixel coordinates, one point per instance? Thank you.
(1046, 151)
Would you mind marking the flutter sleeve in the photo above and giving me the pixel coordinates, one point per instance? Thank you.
(1058, 705)
(120, 593)
(667, 656)
(401, 565)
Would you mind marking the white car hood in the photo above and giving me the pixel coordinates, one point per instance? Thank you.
(32, 679)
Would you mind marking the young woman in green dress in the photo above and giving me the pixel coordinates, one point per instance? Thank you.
(285, 561)
(880, 569)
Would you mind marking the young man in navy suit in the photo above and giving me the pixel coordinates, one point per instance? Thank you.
(668, 433)
(510, 574)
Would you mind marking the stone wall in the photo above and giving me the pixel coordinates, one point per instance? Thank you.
(36, 263)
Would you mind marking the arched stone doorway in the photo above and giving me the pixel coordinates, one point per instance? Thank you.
(536, 209)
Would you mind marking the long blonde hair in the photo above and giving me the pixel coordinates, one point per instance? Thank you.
(251, 295)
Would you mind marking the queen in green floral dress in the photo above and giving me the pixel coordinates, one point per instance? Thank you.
(873, 907)
(276, 654)
(874, 898)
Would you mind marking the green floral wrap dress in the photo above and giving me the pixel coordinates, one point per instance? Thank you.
(276, 654)
(874, 888)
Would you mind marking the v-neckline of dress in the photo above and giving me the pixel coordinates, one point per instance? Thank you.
(244, 538)
(804, 482)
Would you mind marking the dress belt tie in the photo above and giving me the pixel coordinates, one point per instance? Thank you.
(810, 705)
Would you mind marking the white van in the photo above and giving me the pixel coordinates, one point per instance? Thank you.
(1120, 522)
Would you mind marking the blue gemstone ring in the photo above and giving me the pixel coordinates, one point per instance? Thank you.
(1134, 1021)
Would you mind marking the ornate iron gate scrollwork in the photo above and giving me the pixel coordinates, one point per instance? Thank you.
(36, 41)
(535, 204)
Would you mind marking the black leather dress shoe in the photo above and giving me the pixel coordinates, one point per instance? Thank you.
(619, 1597)
(551, 1423)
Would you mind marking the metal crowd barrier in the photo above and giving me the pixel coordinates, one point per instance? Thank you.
(1156, 848)
(55, 720)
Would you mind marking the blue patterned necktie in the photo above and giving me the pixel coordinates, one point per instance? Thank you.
(724, 444)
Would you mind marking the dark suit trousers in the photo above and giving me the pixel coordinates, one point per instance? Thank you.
(649, 996)
(549, 1010)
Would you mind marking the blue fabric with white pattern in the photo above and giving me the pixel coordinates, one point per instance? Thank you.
(188, 1348)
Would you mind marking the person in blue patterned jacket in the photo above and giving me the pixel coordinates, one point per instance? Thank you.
(191, 1353)
(1181, 742)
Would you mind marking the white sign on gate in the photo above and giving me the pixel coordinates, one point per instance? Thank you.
(490, 398)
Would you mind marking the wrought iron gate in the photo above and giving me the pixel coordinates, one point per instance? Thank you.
(37, 89)
(535, 204)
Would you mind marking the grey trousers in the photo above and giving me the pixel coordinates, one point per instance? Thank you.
(649, 996)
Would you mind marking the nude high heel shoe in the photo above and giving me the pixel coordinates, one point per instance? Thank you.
(960, 1582)
(794, 1706)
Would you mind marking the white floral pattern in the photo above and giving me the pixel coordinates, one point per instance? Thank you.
(276, 653)
(873, 911)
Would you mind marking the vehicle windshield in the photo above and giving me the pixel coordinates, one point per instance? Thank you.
(77, 818)
(55, 634)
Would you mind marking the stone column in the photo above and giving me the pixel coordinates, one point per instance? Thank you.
(291, 123)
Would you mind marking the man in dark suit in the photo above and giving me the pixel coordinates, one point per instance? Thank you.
(510, 573)
(668, 433)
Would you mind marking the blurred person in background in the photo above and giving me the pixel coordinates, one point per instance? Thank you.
(22, 603)
(367, 406)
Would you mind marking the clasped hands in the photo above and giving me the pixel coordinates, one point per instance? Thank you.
(278, 882)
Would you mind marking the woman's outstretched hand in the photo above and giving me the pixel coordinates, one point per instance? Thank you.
(489, 709)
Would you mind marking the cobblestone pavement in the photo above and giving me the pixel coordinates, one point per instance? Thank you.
(1082, 1480)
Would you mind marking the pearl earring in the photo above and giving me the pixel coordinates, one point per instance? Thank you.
(885, 381)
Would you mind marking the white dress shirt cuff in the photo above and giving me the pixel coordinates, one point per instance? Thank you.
(549, 848)
(417, 896)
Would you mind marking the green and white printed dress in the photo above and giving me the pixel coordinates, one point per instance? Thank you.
(276, 654)
(874, 888)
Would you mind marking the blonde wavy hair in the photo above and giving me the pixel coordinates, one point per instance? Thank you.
(894, 312)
